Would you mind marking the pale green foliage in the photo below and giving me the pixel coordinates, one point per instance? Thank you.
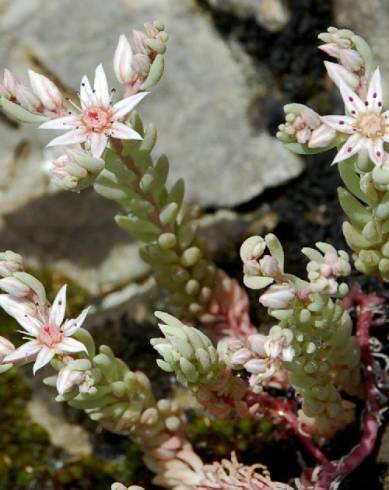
(187, 352)
(158, 216)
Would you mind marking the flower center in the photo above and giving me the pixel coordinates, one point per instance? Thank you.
(371, 125)
(97, 119)
(50, 335)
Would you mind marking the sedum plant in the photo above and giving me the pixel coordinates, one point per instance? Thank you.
(307, 371)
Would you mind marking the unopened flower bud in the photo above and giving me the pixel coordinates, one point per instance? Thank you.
(10, 262)
(339, 75)
(68, 378)
(269, 266)
(278, 296)
(10, 83)
(321, 137)
(26, 98)
(122, 61)
(46, 91)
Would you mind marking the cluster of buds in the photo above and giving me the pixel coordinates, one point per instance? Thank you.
(120, 486)
(353, 56)
(262, 270)
(303, 126)
(313, 338)
(323, 268)
(75, 170)
(42, 97)
(142, 68)
(262, 356)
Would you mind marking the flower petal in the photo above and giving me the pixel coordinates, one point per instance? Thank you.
(101, 86)
(374, 93)
(57, 310)
(67, 122)
(98, 143)
(69, 138)
(343, 124)
(124, 132)
(71, 345)
(71, 326)
(353, 144)
(352, 102)
(46, 91)
(20, 309)
(124, 106)
(24, 352)
(87, 97)
(375, 149)
(44, 357)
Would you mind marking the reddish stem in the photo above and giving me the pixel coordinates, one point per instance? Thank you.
(284, 410)
(337, 470)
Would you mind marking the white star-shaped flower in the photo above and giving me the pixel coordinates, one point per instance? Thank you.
(97, 119)
(47, 333)
(364, 122)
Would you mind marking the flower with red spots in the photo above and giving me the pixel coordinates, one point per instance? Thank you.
(97, 119)
(365, 124)
(47, 333)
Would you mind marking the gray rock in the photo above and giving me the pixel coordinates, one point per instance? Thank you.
(370, 20)
(272, 15)
(200, 107)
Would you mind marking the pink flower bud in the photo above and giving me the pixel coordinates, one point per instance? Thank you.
(351, 59)
(278, 296)
(6, 347)
(46, 91)
(332, 49)
(241, 356)
(256, 343)
(122, 61)
(256, 366)
(13, 286)
(141, 64)
(68, 378)
(339, 74)
(311, 118)
(303, 135)
(321, 137)
(10, 83)
(139, 39)
(269, 266)
(26, 98)
(10, 262)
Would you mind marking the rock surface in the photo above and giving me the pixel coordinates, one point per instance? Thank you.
(272, 15)
(208, 137)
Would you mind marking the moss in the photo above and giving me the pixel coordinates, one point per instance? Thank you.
(24, 446)
(217, 438)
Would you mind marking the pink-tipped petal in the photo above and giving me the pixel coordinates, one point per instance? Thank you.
(70, 138)
(44, 357)
(343, 124)
(350, 148)
(101, 86)
(352, 102)
(67, 122)
(71, 345)
(124, 106)
(23, 353)
(98, 143)
(71, 326)
(374, 93)
(124, 132)
(57, 310)
(375, 149)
